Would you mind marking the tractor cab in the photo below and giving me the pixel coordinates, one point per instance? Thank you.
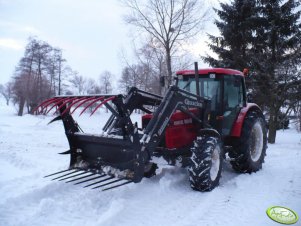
(226, 90)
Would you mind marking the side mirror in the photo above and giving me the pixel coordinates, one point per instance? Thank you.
(162, 81)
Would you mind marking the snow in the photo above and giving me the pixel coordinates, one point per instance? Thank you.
(28, 151)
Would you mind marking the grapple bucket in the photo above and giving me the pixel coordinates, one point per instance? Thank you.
(121, 152)
(111, 159)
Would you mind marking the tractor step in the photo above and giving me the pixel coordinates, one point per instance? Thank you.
(82, 176)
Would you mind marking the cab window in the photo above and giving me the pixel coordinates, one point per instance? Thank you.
(233, 93)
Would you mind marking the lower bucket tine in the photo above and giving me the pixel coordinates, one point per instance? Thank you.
(94, 178)
(58, 172)
(65, 175)
(65, 178)
(80, 178)
(109, 178)
(111, 182)
(118, 185)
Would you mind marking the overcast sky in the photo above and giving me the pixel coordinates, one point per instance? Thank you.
(91, 33)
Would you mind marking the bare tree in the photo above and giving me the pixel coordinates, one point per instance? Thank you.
(20, 81)
(78, 83)
(171, 23)
(127, 79)
(137, 75)
(56, 69)
(152, 59)
(40, 74)
(106, 82)
(6, 91)
(31, 75)
(92, 87)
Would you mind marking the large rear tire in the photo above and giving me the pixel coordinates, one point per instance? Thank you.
(205, 163)
(248, 153)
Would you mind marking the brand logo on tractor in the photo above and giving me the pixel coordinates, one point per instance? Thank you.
(163, 126)
(193, 103)
(282, 215)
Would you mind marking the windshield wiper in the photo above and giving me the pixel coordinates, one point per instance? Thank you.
(186, 85)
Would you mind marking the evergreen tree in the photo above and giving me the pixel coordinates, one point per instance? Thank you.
(236, 26)
(264, 35)
(276, 58)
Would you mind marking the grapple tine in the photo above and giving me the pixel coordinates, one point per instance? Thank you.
(94, 101)
(109, 178)
(103, 102)
(52, 100)
(86, 100)
(111, 182)
(68, 100)
(58, 172)
(65, 178)
(118, 185)
(41, 104)
(73, 103)
(65, 175)
(79, 178)
(55, 103)
(90, 179)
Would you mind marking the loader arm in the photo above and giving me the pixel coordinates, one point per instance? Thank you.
(175, 99)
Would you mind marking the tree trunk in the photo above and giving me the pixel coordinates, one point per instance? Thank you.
(59, 77)
(272, 128)
(169, 71)
(32, 108)
(300, 118)
(21, 106)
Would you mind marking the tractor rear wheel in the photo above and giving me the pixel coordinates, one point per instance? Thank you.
(205, 163)
(248, 153)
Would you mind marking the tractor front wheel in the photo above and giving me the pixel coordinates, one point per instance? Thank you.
(248, 153)
(205, 163)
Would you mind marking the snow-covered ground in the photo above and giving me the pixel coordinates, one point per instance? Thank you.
(28, 151)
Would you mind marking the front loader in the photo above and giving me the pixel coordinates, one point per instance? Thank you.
(201, 117)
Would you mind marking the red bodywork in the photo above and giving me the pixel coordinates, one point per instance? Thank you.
(237, 126)
(207, 71)
(180, 132)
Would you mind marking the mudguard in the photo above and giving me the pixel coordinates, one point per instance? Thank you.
(237, 126)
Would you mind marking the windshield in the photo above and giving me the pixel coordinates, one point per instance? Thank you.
(209, 87)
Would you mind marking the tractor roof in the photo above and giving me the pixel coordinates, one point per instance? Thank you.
(206, 71)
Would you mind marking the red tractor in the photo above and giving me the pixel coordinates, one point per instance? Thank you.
(203, 116)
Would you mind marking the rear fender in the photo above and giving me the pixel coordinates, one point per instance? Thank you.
(237, 126)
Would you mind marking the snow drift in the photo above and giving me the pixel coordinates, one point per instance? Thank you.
(28, 151)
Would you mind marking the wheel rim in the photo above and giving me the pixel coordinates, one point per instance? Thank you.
(256, 142)
(215, 163)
